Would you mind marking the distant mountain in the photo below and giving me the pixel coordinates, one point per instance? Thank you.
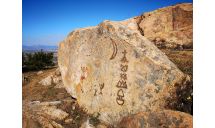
(38, 48)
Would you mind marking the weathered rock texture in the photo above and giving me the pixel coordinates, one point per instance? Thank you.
(158, 119)
(170, 27)
(43, 114)
(54, 78)
(113, 70)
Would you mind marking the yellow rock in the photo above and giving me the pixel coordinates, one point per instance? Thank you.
(115, 71)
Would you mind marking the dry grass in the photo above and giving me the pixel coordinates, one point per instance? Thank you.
(183, 59)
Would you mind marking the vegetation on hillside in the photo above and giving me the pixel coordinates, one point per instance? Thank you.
(184, 61)
(36, 61)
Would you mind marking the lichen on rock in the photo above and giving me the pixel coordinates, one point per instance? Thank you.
(113, 70)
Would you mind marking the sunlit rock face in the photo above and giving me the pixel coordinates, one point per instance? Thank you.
(112, 70)
(169, 27)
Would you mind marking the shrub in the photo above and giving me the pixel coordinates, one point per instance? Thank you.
(36, 61)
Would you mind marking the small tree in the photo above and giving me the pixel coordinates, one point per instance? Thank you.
(38, 60)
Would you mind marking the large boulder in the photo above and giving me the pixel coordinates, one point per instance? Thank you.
(114, 71)
(38, 114)
(170, 27)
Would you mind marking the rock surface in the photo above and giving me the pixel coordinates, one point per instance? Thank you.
(49, 109)
(112, 70)
(46, 81)
(158, 119)
(54, 78)
(87, 124)
(43, 114)
(39, 72)
(170, 27)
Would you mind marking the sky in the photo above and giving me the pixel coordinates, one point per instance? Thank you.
(47, 22)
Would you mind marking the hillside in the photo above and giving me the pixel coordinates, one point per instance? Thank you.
(132, 73)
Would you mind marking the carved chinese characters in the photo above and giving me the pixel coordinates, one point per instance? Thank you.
(121, 84)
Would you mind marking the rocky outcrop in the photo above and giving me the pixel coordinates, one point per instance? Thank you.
(47, 81)
(43, 114)
(54, 78)
(39, 72)
(112, 70)
(169, 27)
(48, 109)
(158, 119)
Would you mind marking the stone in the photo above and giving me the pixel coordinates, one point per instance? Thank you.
(87, 124)
(27, 122)
(157, 119)
(68, 121)
(50, 103)
(39, 72)
(46, 81)
(57, 72)
(48, 110)
(43, 114)
(44, 122)
(34, 103)
(113, 70)
(169, 27)
(56, 79)
(73, 107)
(59, 85)
(101, 126)
(53, 78)
(56, 125)
(53, 112)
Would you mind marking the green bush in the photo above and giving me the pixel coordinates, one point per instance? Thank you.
(37, 61)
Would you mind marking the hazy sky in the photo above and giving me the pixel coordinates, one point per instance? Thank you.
(46, 22)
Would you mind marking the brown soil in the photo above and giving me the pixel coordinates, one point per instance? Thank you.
(32, 91)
